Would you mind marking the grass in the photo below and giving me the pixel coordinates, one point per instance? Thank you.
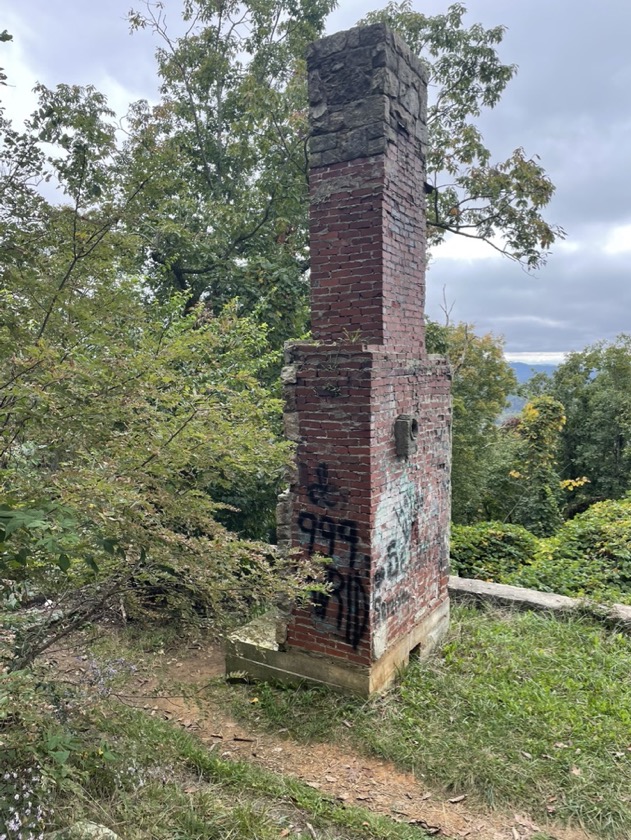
(179, 790)
(517, 710)
(90, 757)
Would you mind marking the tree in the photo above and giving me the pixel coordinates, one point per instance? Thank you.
(117, 411)
(4, 36)
(482, 381)
(224, 152)
(471, 195)
(538, 485)
(594, 385)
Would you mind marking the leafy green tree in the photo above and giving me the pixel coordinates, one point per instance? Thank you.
(473, 196)
(224, 213)
(482, 381)
(539, 491)
(594, 385)
(224, 152)
(117, 411)
(4, 36)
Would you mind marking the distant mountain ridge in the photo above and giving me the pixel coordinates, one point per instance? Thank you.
(524, 371)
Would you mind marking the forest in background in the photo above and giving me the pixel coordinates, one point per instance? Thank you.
(144, 313)
(141, 451)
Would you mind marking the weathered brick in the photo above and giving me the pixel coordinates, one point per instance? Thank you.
(381, 518)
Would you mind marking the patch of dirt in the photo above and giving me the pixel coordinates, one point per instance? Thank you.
(332, 769)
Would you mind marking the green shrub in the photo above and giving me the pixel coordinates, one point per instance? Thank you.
(590, 555)
(490, 550)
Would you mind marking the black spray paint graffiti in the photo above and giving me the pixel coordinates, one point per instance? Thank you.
(398, 550)
(347, 596)
(321, 492)
(394, 564)
(384, 607)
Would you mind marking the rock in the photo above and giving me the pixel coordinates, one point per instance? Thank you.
(84, 830)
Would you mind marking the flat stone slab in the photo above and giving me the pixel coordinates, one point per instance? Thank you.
(254, 650)
(466, 589)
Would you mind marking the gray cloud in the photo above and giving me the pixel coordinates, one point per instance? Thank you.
(581, 298)
(570, 103)
(75, 42)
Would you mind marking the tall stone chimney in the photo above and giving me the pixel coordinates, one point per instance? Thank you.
(369, 411)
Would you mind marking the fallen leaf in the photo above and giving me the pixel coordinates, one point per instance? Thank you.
(576, 771)
(348, 724)
(526, 822)
(457, 799)
(330, 778)
(311, 831)
(428, 829)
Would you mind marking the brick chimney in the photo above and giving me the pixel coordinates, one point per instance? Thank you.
(367, 95)
(368, 410)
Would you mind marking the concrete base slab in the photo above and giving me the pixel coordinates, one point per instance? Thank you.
(253, 649)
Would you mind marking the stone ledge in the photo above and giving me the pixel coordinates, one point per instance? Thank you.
(466, 589)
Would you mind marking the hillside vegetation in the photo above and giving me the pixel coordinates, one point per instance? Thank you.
(146, 295)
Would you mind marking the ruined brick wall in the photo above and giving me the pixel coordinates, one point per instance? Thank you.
(410, 528)
(382, 517)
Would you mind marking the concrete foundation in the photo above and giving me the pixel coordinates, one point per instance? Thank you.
(253, 650)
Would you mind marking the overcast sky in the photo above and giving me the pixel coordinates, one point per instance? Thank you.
(570, 104)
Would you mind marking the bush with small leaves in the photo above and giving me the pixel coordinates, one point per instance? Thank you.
(490, 550)
(590, 556)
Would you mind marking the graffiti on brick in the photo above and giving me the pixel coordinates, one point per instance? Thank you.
(398, 519)
(322, 492)
(389, 604)
(346, 604)
(396, 557)
(394, 564)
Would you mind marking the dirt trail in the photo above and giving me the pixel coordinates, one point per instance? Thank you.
(333, 769)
